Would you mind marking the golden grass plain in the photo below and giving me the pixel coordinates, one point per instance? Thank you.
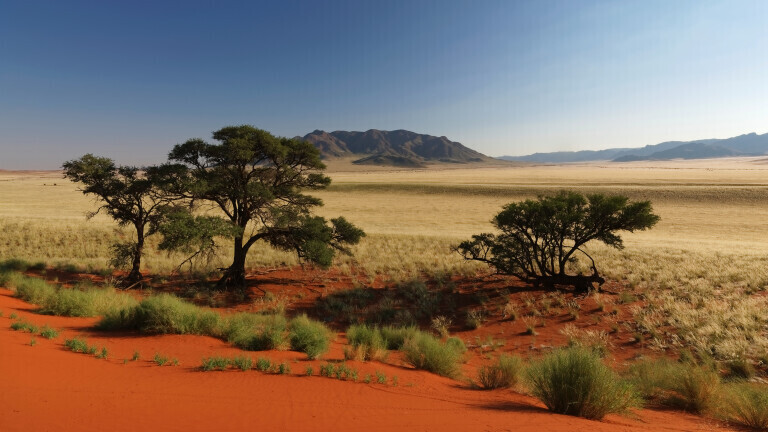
(703, 270)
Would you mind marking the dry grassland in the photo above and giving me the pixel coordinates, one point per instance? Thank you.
(703, 269)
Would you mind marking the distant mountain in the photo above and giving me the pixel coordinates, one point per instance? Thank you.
(397, 148)
(742, 145)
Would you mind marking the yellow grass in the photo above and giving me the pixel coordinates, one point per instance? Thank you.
(698, 266)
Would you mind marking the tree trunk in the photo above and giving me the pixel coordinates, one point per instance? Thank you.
(234, 276)
(135, 275)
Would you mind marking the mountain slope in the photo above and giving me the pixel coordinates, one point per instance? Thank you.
(743, 145)
(398, 147)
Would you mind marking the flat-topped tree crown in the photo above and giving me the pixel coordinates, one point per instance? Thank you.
(539, 238)
(257, 179)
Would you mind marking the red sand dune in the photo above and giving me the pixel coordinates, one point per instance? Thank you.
(47, 388)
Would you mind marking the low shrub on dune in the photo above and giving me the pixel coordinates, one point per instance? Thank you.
(574, 381)
(424, 351)
(505, 373)
(310, 337)
(256, 332)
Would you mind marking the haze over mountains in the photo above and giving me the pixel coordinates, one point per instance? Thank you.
(397, 148)
(742, 145)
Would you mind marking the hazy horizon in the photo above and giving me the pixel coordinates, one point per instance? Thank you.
(129, 81)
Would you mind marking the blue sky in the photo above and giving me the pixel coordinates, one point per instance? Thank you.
(128, 80)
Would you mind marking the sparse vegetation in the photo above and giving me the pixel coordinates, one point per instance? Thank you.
(424, 351)
(573, 381)
(310, 337)
(747, 405)
(215, 363)
(366, 343)
(505, 373)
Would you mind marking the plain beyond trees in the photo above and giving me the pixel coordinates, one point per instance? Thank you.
(539, 238)
(256, 180)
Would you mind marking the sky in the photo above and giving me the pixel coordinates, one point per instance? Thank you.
(129, 80)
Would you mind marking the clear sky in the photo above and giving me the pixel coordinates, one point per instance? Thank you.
(130, 79)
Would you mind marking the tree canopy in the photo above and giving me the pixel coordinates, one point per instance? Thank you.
(539, 238)
(130, 195)
(258, 181)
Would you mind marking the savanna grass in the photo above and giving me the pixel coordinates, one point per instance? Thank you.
(367, 343)
(747, 405)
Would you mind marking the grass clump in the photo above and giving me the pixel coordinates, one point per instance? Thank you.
(103, 354)
(81, 301)
(310, 337)
(79, 345)
(242, 363)
(395, 337)
(22, 325)
(163, 313)
(256, 332)
(367, 343)
(573, 381)
(747, 405)
(681, 385)
(160, 359)
(215, 363)
(424, 351)
(505, 373)
(49, 332)
(263, 364)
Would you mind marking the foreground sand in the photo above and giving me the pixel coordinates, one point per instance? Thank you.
(45, 387)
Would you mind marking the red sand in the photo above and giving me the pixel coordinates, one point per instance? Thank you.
(45, 387)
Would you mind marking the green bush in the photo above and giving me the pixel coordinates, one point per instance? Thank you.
(424, 351)
(505, 373)
(79, 345)
(310, 337)
(747, 404)
(256, 332)
(22, 325)
(263, 364)
(367, 343)
(48, 332)
(573, 381)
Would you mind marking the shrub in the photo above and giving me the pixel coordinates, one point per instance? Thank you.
(381, 378)
(424, 351)
(441, 324)
(103, 353)
(310, 337)
(367, 343)
(214, 363)
(256, 332)
(283, 368)
(505, 373)
(573, 381)
(747, 405)
(24, 326)
(160, 359)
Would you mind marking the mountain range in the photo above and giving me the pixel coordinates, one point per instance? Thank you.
(743, 145)
(396, 148)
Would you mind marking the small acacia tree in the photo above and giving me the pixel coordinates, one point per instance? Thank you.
(131, 196)
(540, 237)
(256, 180)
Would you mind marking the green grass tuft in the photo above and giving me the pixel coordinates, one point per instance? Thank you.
(215, 363)
(367, 343)
(747, 405)
(505, 373)
(256, 332)
(310, 337)
(574, 381)
(424, 351)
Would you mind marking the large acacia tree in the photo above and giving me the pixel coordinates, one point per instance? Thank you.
(257, 180)
(130, 195)
(539, 238)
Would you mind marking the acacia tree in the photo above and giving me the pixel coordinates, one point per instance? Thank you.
(256, 180)
(539, 238)
(131, 196)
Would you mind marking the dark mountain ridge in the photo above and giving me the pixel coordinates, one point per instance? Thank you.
(399, 147)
